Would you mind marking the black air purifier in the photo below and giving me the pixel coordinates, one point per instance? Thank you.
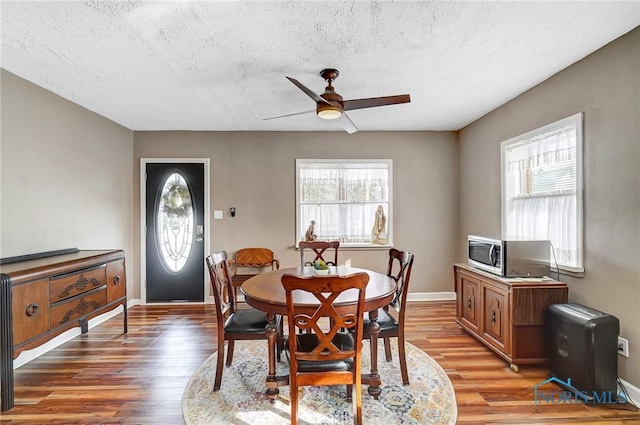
(582, 345)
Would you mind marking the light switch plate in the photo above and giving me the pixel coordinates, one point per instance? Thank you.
(217, 214)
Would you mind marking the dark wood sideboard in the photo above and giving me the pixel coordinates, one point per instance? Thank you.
(507, 315)
(43, 295)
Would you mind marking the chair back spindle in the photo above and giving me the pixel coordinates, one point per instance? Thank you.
(318, 250)
(399, 269)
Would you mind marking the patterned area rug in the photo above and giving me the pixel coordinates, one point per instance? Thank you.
(429, 399)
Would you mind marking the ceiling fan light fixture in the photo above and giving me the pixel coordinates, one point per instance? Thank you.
(330, 105)
(328, 112)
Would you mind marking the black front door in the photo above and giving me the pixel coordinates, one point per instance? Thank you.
(175, 232)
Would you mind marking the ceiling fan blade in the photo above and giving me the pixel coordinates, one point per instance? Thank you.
(372, 102)
(346, 123)
(309, 93)
(289, 115)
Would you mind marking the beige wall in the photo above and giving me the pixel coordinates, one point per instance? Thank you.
(255, 172)
(606, 87)
(66, 175)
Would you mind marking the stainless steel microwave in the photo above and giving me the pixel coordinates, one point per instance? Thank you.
(509, 257)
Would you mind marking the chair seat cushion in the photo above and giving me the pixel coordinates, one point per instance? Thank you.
(386, 321)
(307, 342)
(247, 321)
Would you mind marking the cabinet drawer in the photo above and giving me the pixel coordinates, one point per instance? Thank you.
(78, 306)
(70, 285)
(30, 310)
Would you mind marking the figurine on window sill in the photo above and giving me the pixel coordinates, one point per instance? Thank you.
(310, 235)
(379, 232)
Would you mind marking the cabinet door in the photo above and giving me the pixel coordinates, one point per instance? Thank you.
(495, 317)
(469, 290)
(30, 309)
(116, 281)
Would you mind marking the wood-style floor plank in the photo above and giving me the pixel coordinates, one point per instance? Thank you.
(105, 377)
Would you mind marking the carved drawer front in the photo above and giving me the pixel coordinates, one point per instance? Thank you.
(30, 309)
(78, 307)
(116, 280)
(66, 286)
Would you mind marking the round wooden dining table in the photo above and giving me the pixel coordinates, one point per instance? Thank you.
(265, 292)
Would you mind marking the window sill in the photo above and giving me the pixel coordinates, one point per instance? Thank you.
(365, 246)
(574, 272)
(359, 247)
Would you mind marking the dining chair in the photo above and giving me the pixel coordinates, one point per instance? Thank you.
(399, 269)
(325, 355)
(233, 324)
(319, 249)
(250, 261)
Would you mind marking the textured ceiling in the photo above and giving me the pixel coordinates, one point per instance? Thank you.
(222, 65)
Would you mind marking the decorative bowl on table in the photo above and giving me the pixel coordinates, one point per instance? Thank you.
(320, 267)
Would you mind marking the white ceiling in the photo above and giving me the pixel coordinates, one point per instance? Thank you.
(151, 65)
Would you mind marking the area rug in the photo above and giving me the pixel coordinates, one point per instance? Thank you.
(429, 399)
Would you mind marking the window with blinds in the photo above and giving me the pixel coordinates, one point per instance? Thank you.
(542, 188)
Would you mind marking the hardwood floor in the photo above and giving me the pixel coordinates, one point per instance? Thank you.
(105, 377)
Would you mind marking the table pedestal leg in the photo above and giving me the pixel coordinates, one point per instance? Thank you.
(272, 338)
(374, 378)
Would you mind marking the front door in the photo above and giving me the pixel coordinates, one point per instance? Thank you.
(175, 232)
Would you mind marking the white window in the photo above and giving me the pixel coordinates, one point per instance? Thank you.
(542, 189)
(345, 199)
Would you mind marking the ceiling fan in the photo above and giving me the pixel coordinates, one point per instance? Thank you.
(330, 105)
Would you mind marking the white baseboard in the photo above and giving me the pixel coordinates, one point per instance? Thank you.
(28, 355)
(632, 391)
(431, 296)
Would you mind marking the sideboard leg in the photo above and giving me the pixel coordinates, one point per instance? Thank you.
(84, 325)
(125, 317)
(6, 344)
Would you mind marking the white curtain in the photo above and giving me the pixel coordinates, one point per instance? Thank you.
(342, 199)
(540, 191)
(552, 218)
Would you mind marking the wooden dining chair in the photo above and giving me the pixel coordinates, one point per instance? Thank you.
(233, 324)
(325, 355)
(250, 261)
(399, 269)
(319, 250)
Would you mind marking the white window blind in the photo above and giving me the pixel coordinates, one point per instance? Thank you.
(342, 197)
(542, 188)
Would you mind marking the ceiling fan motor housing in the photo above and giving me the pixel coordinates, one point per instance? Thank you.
(334, 108)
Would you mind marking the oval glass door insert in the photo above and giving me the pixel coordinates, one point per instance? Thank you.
(174, 223)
